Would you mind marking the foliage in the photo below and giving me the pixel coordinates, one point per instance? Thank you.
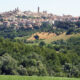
(60, 58)
(42, 43)
(36, 37)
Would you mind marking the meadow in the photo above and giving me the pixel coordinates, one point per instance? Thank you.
(46, 37)
(34, 78)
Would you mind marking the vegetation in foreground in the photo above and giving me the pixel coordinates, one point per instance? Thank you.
(35, 78)
(60, 58)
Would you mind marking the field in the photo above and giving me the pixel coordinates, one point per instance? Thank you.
(50, 37)
(61, 36)
(42, 35)
(46, 37)
(34, 78)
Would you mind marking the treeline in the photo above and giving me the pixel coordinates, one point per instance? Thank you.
(11, 32)
(69, 27)
(58, 28)
(61, 58)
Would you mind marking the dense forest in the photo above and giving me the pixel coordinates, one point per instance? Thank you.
(59, 58)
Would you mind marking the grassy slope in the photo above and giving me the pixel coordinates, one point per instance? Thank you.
(34, 78)
(51, 37)
(62, 36)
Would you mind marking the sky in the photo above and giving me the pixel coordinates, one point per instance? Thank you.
(58, 7)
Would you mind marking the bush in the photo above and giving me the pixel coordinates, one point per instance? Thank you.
(70, 31)
(8, 64)
(22, 71)
(36, 37)
(41, 44)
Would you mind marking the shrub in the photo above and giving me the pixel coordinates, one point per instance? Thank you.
(8, 64)
(36, 37)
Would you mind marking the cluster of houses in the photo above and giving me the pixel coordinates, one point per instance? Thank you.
(28, 19)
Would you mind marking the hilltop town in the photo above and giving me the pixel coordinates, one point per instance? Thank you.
(29, 19)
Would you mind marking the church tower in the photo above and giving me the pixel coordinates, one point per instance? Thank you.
(38, 9)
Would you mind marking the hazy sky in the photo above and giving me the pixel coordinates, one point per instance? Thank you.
(58, 7)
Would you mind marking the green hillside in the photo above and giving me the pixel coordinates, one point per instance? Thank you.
(53, 52)
(55, 59)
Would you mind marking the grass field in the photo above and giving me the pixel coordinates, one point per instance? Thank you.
(34, 78)
(47, 37)
(50, 37)
(42, 35)
(62, 36)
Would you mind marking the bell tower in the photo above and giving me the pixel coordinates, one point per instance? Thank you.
(38, 9)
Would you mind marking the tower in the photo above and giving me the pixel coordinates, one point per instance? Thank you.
(17, 8)
(38, 9)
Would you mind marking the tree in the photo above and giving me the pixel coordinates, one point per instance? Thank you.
(8, 64)
(22, 71)
(36, 37)
(35, 66)
(42, 43)
(70, 31)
